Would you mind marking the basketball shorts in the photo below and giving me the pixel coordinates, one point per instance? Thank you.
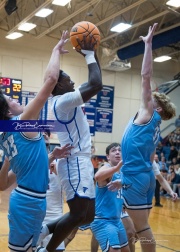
(109, 233)
(26, 214)
(138, 190)
(76, 175)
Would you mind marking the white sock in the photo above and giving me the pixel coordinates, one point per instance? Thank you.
(44, 250)
(45, 230)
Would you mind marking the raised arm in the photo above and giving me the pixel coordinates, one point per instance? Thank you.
(106, 172)
(7, 178)
(32, 110)
(146, 107)
(94, 84)
(60, 152)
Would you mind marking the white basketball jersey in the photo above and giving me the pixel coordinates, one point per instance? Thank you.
(73, 126)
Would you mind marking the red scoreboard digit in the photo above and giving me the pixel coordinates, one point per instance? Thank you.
(11, 87)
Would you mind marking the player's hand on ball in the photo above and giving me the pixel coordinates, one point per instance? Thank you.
(85, 44)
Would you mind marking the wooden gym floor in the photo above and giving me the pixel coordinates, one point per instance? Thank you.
(164, 221)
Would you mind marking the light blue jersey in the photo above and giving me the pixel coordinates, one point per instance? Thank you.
(138, 144)
(28, 160)
(27, 207)
(108, 203)
(107, 226)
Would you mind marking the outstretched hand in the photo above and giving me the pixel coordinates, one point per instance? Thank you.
(60, 45)
(149, 36)
(114, 185)
(62, 152)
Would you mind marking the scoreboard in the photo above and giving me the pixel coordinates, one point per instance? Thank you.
(11, 87)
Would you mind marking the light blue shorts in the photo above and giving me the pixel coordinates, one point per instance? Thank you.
(138, 190)
(26, 214)
(109, 233)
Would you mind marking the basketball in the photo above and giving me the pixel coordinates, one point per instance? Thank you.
(81, 28)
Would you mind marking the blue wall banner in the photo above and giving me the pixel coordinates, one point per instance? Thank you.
(91, 116)
(104, 119)
(91, 103)
(105, 98)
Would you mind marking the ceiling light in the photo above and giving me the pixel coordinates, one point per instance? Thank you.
(43, 12)
(162, 58)
(61, 2)
(174, 3)
(120, 27)
(26, 27)
(14, 35)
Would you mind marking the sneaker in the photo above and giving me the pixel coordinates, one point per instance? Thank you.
(40, 249)
(158, 205)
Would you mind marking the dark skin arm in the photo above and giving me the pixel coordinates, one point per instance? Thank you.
(94, 84)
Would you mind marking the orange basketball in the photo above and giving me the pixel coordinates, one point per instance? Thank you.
(81, 28)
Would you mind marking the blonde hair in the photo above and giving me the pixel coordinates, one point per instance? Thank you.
(168, 108)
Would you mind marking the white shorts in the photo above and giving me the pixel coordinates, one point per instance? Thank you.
(76, 175)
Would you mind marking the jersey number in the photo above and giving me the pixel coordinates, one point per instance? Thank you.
(119, 195)
(10, 146)
(156, 135)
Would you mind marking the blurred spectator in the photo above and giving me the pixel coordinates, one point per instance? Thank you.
(177, 169)
(178, 157)
(157, 189)
(162, 164)
(95, 162)
(1, 157)
(173, 153)
(174, 161)
(162, 155)
(176, 184)
(170, 139)
(171, 174)
(177, 122)
(159, 149)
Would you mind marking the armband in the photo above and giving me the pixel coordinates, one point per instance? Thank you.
(89, 56)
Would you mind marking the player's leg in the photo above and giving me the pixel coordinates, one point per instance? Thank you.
(138, 192)
(143, 229)
(131, 233)
(70, 237)
(81, 212)
(94, 244)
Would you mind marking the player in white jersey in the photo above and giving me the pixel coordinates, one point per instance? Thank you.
(76, 172)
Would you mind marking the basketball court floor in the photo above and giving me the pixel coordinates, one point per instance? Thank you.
(164, 221)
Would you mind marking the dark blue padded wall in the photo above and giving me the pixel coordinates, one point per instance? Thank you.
(160, 40)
